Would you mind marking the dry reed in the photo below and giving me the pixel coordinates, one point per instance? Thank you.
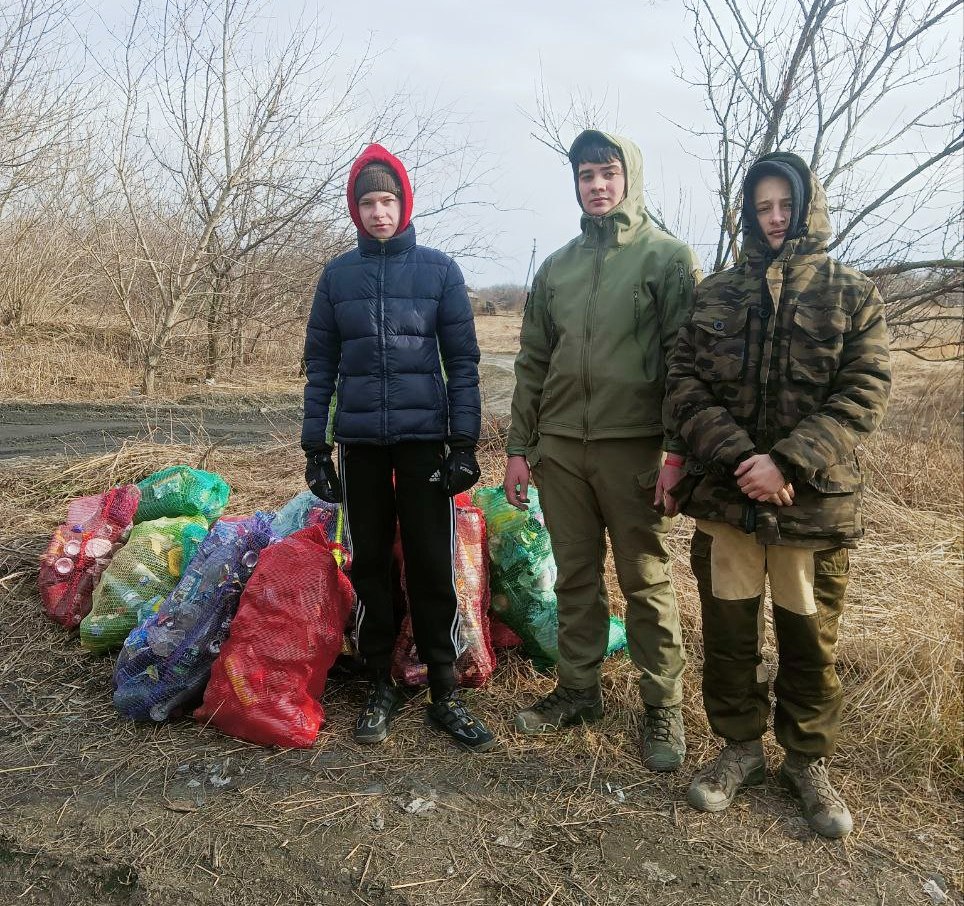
(569, 819)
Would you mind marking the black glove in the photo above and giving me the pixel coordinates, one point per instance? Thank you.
(321, 475)
(460, 471)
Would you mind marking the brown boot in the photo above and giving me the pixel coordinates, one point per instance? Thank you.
(715, 785)
(806, 778)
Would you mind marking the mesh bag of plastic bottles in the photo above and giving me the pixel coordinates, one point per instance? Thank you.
(288, 631)
(305, 509)
(81, 549)
(182, 491)
(523, 574)
(165, 662)
(502, 636)
(141, 575)
(476, 660)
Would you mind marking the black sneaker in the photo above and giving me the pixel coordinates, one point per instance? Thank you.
(451, 715)
(373, 722)
(563, 707)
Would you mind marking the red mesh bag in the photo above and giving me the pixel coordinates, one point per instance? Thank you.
(502, 636)
(475, 663)
(81, 549)
(287, 633)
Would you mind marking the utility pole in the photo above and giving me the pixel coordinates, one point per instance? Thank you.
(531, 272)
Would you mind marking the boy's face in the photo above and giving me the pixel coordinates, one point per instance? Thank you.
(601, 187)
(379, 212)
(773, 202)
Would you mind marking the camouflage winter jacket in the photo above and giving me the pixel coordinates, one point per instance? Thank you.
(785, 355)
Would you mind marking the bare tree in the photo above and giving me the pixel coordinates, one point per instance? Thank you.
(226, 156)
(870, 95)
(42, 111)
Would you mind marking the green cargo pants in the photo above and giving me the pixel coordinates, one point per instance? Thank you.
(586, 489)
(807, 586)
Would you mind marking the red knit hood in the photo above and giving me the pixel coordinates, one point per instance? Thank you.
(370, 155)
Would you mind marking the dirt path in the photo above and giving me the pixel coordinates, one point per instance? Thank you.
(76, 429)
(49, 429)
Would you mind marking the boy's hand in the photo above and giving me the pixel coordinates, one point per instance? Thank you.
(670, 475)
(759, 478)
(321, 476)
(516, 482)
(461, 470)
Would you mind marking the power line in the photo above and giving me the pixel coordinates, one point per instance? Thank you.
(531, 272)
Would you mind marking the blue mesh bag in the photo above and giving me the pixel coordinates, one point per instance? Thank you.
(166, 661)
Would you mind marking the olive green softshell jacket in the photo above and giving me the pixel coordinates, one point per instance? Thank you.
(785, 355)
(600, 325)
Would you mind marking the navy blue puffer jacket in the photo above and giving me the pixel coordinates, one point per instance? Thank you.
(385, 318)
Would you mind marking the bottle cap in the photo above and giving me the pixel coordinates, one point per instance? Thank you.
(97, 547)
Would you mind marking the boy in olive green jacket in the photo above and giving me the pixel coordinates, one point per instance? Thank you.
(599, 326)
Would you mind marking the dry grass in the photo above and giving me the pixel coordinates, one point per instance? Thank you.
(74, 362)
(101, 811)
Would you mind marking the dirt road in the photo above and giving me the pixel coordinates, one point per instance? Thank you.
(75, 429)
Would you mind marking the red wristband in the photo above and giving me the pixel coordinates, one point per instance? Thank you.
(673, 460)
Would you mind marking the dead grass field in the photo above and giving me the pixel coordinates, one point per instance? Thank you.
(94, 809)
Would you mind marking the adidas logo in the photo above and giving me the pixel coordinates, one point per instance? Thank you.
(436, 475)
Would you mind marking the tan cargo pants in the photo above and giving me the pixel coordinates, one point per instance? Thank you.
(586, 489)
(807, 585)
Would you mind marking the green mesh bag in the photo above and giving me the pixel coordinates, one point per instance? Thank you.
(522, 576)
(182, 491)
(141, 575)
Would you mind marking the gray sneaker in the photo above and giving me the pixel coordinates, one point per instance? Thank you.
(563, 707)
(715, 785)
(807, 780)
(662, 743)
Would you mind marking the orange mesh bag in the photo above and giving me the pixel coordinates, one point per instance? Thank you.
(476, 659)
(81, 549)
(272, 669)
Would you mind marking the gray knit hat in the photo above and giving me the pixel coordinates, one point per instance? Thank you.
(377, 177)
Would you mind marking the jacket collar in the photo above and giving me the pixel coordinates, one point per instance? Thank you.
(400, 242)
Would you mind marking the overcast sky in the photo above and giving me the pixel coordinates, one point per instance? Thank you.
(488, 59)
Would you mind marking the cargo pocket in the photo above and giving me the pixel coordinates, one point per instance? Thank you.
(840, 478)
(721, 343)
(816, 342)
(646, 481)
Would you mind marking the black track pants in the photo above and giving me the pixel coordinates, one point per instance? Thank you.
(426, 516)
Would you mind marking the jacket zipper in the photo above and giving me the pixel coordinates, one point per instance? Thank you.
(767, 359)
(587, 336)
(381, 340)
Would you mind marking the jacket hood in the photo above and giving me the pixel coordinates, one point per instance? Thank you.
(372, 154)
(629, 216)
(812, 230)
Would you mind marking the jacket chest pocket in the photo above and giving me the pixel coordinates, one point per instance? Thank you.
(816, 342)
(721, 344)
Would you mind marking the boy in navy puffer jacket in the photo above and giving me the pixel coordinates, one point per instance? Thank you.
(386, 317)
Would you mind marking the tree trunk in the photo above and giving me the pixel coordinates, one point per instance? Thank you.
(213, 344)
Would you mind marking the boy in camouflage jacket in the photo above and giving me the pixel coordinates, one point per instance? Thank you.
(781, 372)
